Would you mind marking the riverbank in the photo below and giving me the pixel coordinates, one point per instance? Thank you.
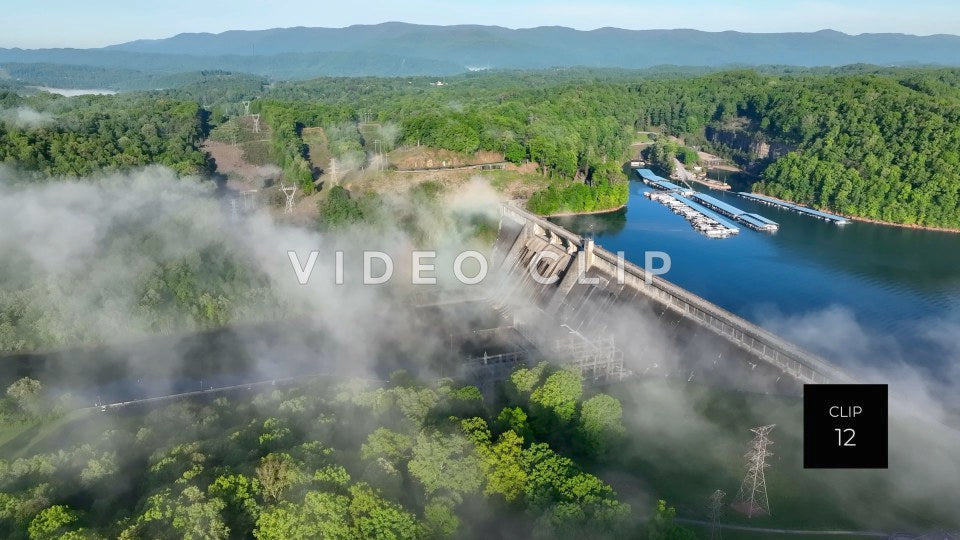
(875, 221)
(583, 213)
(902, 225)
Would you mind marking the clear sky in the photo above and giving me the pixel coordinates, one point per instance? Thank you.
(94, 23)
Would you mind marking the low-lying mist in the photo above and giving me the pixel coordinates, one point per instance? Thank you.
(25, 117)
(119, 259)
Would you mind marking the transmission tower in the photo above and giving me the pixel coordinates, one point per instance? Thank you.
(752, 497)
(333, 170)
(289, 192)
(249, 199)
(716, 507)
(378, 152)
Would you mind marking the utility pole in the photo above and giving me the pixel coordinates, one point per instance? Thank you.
(752, 498)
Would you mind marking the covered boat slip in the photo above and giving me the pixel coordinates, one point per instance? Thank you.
(770, 201)
(754, 221)
(701, 202)
(700, 218)
(658, 182)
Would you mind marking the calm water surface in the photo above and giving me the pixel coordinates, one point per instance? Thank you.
(71, 92)
(863, 292)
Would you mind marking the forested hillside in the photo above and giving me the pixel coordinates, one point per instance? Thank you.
(119, 79)
(875, 143)
(281, 66)
(875, 146)
(878, 143)
(348, 460)
(77, 136)
(577, 134)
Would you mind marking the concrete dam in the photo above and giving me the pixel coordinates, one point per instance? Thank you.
(580, 305)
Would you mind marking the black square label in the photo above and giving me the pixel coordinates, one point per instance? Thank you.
(845, 426)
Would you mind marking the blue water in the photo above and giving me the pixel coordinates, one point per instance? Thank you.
(861, 292)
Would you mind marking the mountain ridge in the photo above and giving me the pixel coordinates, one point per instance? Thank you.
(548, 46)
(400, 49)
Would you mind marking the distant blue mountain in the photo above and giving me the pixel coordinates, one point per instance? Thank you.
(558, 46)
(409, 49)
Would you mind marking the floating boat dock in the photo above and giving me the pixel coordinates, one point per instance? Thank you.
(657, 182)
(701, 202)
(701, 218)
(770, 201)
(754, 221)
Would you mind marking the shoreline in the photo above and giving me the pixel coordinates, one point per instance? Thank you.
(902, 225)
(875, 221)
(584, 213)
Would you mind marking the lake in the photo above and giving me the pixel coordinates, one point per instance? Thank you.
(70, 92)
(855, 293)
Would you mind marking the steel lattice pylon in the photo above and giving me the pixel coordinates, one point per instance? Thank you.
(752, 498)
(716, 507)
(289, 192)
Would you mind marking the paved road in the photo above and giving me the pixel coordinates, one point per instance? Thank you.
(682, 171)
(452, 168)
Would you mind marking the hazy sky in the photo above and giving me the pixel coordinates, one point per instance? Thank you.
(93, 23)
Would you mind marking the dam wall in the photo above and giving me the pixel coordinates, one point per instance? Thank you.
(587, 308)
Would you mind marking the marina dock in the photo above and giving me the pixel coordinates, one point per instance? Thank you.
(770, 201)
(754, 221)
(701, 218)
(699, 209)
(657, 182)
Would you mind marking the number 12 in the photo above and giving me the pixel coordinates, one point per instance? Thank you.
(841, 433)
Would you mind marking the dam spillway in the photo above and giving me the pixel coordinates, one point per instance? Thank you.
(592, 287)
